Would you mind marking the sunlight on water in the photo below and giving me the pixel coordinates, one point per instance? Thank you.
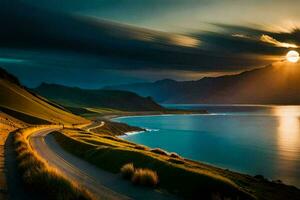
(268, 135)
(288, 131)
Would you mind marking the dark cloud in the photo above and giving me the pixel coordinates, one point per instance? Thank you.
(35, 28)
(81, 42)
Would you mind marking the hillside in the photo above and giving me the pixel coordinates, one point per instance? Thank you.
(273, 84)
(20, 103)
(77, 97)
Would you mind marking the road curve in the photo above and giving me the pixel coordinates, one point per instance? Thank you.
(102, 184)
(94, 126)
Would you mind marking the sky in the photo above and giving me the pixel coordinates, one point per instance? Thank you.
(94, 43)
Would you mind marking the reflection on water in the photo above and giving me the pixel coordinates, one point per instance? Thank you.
(288, 131)
(288, 140)
(268, 135)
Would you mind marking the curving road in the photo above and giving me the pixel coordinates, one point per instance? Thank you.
(102, 184)
(95, 125)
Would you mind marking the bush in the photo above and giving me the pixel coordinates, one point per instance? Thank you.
(159, 151)
(174, 155)
(260, 177)
(176, 161)
(127, 171)
(145, 177)
(140, 147)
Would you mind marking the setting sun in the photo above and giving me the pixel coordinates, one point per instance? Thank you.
(292, 56)
(182, 99)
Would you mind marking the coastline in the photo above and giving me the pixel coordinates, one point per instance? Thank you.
(130, 133)
(110, 116)
(114, 118)
(272, 179)
(255, 183)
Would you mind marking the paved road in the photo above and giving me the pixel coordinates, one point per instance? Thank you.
(102, 184)
(94, 126)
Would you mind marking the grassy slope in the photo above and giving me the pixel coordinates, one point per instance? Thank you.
(39, 178)
(185, 177)
(107, 113)
(189, 180)
(16, 98)
(115, 128)
(7, 124)
(77, 97)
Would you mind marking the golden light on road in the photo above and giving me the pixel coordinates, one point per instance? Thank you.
(292, 56)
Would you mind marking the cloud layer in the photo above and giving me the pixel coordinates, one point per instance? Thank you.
(70, 38)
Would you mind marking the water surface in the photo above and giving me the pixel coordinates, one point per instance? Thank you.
(250, 139)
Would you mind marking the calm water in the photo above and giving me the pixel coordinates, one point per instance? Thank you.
(251, 139)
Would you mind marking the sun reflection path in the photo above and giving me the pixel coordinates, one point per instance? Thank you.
(288, 131)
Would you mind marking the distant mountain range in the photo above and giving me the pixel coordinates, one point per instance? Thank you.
(273, 84)
(76, 97)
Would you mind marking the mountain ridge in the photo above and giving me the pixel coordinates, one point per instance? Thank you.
(96, 98)
(272, 84)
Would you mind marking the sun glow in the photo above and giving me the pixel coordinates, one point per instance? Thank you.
(292, 56)
(186, 41)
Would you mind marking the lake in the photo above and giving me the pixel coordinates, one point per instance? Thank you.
(250, 139)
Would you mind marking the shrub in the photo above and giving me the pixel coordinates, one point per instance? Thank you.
(140, 147)
(127, 171)
(145, 177)
(159, 151)
(174, 155)
(260, 177)
(176, 161)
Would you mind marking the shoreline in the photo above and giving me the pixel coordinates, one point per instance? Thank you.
(259, 180)
(114, 118)
(110, 116)
(156, 115)
(125, 135)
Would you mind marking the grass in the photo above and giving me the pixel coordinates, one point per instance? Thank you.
(105, 111)
(186, 180)
(127, 171)
(174, 155)
(115, 128)
(23, 117)
(140, 147)
(159, 151)
(39, 178)
(18, 99)
(145, 177)
(139, 176)
(183, 177)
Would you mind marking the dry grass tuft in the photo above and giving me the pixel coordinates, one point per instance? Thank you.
(39, 178)
(192, 174)
(145, 177)
(127, 171)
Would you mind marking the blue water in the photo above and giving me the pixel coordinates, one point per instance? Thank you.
(250, 139)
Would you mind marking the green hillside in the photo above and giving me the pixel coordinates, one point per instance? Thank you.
(77, 97)
(16, 99)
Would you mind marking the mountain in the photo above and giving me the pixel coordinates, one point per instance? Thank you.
(274, 84)
(22, 104)
(77, 97)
